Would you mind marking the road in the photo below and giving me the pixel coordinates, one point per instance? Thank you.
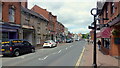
(66, 54)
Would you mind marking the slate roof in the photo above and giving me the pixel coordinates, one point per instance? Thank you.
(33, 13)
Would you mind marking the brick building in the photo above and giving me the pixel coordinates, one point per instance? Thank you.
(10, 20)
(110, 29)
(51, 27)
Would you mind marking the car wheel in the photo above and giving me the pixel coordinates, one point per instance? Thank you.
(32, 50)
(17, 53)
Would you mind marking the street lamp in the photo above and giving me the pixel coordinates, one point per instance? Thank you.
(94, 13)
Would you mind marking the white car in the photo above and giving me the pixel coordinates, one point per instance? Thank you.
(49, 43)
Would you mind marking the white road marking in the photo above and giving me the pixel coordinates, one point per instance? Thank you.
(43, 58)
(66, 48)
(70, 46)
(59, 51)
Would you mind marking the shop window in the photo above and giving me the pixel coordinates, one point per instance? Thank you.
(107, 43)
(11, 14)
(4, 36)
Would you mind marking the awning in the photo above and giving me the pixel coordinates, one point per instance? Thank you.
(27, 27)
(104, 33)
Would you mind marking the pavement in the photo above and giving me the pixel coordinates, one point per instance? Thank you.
(102, 60)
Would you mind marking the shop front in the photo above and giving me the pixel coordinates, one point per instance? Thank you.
(29, 34)
(9, 31)
(105, 36)
(115, 36)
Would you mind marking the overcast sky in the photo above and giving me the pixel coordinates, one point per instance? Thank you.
(73, 14)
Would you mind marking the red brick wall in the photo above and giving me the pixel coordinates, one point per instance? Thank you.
(114, 49)
(5, 9)
(92, 34)
(41, 11)
(55, 22)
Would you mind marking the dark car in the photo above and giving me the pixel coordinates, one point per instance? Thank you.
(16, 47)
(69, 40)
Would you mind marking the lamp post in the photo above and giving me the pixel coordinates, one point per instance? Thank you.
(94, 13)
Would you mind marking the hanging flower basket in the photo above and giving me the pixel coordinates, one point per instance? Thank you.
(115, 32)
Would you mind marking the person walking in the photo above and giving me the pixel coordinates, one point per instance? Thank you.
(99, 44)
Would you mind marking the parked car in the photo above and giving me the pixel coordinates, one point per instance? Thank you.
(76, 39)
(49, 43)
(69, 40)
(15, 47)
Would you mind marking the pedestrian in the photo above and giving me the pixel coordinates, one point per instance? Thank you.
(107, 44)
(88, 41)
(99, 44)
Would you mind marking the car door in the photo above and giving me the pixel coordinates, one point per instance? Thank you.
(27, 46)
(53, 43)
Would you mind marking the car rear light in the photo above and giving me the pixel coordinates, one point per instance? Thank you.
(10, 48)
(50, 43)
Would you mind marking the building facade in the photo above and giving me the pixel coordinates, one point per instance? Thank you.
(33, 26)
(51, 26)
(110, 29)
(10, 24)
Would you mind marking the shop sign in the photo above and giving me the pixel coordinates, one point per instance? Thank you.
(117, 40)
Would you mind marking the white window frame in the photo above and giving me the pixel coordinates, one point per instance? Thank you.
(11, 14)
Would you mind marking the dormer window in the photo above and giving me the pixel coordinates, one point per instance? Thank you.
(12, 14)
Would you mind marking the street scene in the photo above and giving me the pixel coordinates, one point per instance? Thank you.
(60, 33)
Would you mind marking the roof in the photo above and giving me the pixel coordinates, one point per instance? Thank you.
(33, 13)
(41, 11)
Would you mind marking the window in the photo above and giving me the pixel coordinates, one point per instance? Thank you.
(11, 14)
(106, 12)
(112, 8)
(107, 43)
(16, 42)
(26, 43)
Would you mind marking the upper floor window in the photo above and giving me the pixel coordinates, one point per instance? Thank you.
(106, 12)
(11, 14)
(112, 8)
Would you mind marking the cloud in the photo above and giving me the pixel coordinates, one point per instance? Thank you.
(75, 15)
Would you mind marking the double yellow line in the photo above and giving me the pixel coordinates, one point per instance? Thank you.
(80, 58)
